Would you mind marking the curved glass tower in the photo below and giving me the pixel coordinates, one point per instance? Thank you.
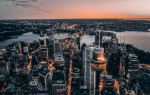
(98, 65)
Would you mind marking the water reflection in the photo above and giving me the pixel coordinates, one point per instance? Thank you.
(25, 37)
(139, 39)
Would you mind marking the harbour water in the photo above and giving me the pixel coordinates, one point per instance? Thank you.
(140, 40)
(24, 37)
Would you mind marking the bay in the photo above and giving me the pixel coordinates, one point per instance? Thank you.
(140, 40)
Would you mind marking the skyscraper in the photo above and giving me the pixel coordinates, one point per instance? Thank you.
(94, 65)
(44, 42)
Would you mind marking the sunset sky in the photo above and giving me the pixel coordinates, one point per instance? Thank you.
(66, 9)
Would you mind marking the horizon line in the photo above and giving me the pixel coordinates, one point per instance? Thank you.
(76, 19)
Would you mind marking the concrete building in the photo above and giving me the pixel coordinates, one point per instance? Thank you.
(59, 81)
(133, 66)
(51, 45)
(123, 60)
(59, 59)
(44, 42)
(88, 73)
(94, 65)
(57, 46)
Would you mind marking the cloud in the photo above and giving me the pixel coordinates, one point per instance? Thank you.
(23, 3)
(34, 0)
(27, 4)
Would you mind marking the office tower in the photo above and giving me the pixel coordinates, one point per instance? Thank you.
(44, 42)
(133, 66)
(98, 64)
(51, 45)
(123, 60)
(57, 46)
(88, 72)
(59, 81)
(107, 40)
(26, 53)
(94, 64)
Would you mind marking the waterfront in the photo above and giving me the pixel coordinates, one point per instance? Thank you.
(138, 39)
(65, 64)
(25, 37)
(31, 37)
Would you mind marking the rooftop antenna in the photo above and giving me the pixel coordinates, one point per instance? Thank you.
(99, 39)
(124, 39)
(119, 39)
(124, 42)
(99, 36)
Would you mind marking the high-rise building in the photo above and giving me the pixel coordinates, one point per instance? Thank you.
(59, 81)
(107, 40)
(44, 42)
(123, 60)
(94, 65)
(51, 45)
(88, 73)
(98, 64)
(133, 66)
(57, 46)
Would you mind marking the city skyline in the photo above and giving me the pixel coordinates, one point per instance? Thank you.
(74, 9)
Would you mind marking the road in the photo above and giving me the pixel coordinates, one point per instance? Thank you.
(70, 78)
(116, 85)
